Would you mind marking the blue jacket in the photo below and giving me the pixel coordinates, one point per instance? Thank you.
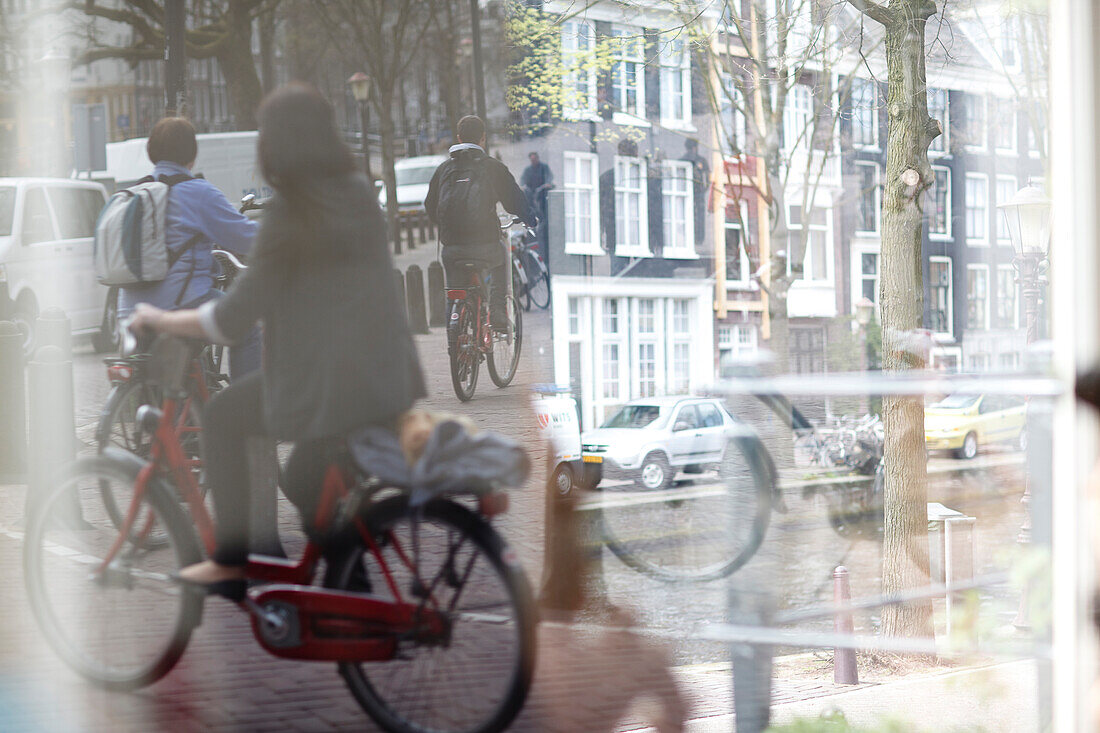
(194, 207)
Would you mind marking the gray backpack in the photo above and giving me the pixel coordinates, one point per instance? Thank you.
(130, 246)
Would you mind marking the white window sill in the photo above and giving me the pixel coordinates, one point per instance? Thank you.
(592, 250)
(625, 118)
(682, 125)
(1006, 151)
(679, 254)
(741, 286)
(940, 236)
(943, 337)
(980, 150)
(939, 154)
(867, 147)
(632, 252)
(1004, 242)
(977, 243)
(576, 115)
(868, 235)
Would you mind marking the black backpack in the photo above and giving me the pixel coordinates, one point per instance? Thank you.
(467, 203)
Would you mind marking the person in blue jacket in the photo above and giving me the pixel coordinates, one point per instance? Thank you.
(199, 218)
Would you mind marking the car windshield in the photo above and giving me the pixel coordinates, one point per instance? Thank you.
(414, 176)
(634, 416)
(7, 209)
(956, 402)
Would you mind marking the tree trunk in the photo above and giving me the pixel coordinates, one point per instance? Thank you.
(384, 108)
(267, 50)
(235, 61)
(908, 174)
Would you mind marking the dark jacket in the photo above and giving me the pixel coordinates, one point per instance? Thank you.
(338, 351)
(507, 191)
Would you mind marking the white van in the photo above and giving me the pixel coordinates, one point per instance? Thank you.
(413, 176)
(556, 412)
(47, 228)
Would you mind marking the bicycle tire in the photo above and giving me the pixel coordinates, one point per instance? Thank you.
(507, 346)
(408, 694)
(127, 628)
(519, 288)
(464, 355)
(117, 427)
(698, 532)
(538, 281)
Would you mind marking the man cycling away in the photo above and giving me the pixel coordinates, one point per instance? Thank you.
(462, 201)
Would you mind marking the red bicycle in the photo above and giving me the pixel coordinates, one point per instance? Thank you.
(427, 612)
(472, 339)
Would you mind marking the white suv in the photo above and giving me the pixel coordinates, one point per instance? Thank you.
(47, 228)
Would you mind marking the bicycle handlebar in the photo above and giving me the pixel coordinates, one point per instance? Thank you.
(233, 259)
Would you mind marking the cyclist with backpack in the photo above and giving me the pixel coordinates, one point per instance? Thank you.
(462, 201)
(197, 216)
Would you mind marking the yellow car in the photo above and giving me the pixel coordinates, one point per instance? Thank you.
(961, 423)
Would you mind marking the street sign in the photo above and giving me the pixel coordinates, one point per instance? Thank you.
(90, 137)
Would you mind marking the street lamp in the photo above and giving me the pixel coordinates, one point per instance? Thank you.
(1027, 216)
(360, 89)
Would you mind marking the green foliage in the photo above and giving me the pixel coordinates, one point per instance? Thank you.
(833, 721)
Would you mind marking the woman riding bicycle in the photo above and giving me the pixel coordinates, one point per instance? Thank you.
(199, 215)
(339, 353)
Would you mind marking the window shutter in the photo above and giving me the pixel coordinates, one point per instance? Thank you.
(656, 203)
(652, 77)
(607, 208)
(700, 101)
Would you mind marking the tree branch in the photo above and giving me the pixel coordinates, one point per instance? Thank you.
(873, 10)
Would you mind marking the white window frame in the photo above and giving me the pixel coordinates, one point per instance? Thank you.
(572, 56)
(678, 173)
(620, 339)
(1000, 105)
(1015, 321)
(860, 106)
(1008, 38)
(979, 362)
(641, 248)
(656, 339)
(1000, 224)
(984, 268)
(799, 107)
(807, 260)
(944, 139)
(745, 282)
(574, 192)
(983, 128)
(943, 236)
(859, 277)
(675, 65)
(731, 107)
(876, 193)
(939, 259)
(628, 38)
(973, 207)
(737, 339)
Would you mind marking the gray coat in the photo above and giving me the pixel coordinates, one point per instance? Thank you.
(338, 353)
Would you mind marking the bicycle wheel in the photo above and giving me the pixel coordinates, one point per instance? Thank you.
(504, 357)
(700, 531)
(464, 354)
(538, 281)
(125, 627)
(519, 287)
(476, 678)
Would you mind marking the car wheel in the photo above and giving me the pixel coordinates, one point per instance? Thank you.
(591, 475)
(562, 479)
(655, 473)
(969, 447)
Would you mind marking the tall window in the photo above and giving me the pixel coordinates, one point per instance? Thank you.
(646, 349)
(1004, 125)
(816, 262)
(680, 357)
(736, 341)
(938, 110)
(807, 349)
(977, 128)
(731, 118)
(940, 303)
(977, 296)
(630, 206)
(737, 259)
(867, 215)
(864, 112)
(676, 199)
(1036, 131)
(675, 82)
(977, 209)
(613, 331)
(577, 45)
(868, 275)
(937, 204)
(581, 202)
(797, 116)
(1008, 45)
(628, 73)
(1007, 308)
(1006, 189)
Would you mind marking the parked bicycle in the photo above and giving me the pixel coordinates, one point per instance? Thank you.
(530, 278)
(427, 614)
(472, 339)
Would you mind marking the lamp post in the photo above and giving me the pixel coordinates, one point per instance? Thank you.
(1027, 216)
(360, 89)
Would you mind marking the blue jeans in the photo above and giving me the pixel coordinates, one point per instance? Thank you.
(244, 357)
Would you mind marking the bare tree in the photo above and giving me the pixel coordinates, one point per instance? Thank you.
(910, 130)
(223, 31)
(386, 35)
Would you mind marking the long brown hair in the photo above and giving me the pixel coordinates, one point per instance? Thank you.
(299, 143)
